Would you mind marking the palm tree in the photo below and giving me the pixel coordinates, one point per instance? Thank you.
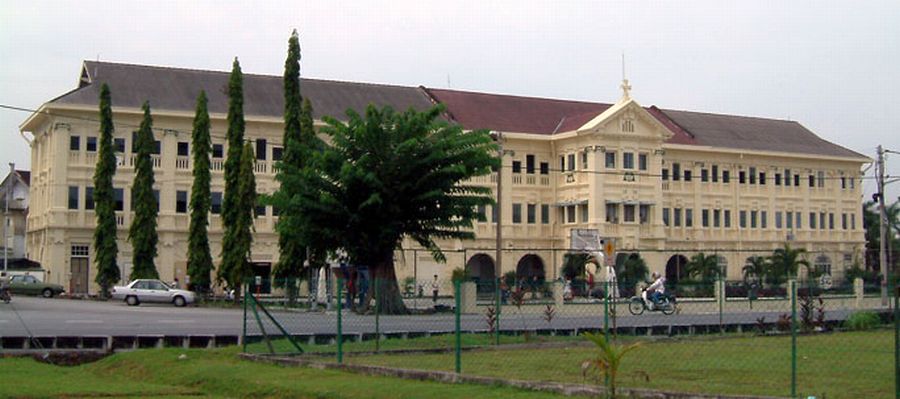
(704, 268)
(757, 267)
(784, 263)
(633, 270)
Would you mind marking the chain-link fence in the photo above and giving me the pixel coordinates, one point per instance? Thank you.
(768, 337)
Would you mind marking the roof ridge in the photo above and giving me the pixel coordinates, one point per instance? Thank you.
(522, 96)
(731, 115)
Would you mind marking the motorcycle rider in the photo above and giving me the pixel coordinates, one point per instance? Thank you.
(4, 286)
(656, 290)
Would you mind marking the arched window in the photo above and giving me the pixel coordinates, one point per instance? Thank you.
(822, 265)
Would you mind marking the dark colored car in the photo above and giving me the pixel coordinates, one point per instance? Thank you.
(29, 285)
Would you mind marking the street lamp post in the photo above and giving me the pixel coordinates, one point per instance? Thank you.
(498, 137)
(12, 168)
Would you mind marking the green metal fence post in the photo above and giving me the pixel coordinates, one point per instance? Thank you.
(497, 322)
(896, 343)
(377, 321)
(340, 331)
(721, 283)
(793, 287)
(457, 294)
(244, 330)
(607, 294)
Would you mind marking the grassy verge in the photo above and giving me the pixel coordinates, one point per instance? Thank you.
(215, 374)
(840, 365)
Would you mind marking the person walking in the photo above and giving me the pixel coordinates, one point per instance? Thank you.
(434, 289)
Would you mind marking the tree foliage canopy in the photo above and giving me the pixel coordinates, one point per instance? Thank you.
(236, 244)
(199, 257)
(704, 268)
(142, 234)
(105, 247)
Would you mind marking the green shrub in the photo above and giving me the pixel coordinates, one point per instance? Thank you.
(862, 321)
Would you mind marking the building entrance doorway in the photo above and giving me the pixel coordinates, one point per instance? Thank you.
(79, 270)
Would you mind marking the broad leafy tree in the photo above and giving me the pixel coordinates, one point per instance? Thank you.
(785, 263)
(872, 224)
(199, 256)
(143, 235)
(235, 268)
(386, 175)
(105, 247)
(704, 268)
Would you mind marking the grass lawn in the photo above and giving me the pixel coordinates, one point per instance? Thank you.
(834, 365)
(215, 374)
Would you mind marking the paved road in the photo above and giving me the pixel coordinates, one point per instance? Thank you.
(41, 317)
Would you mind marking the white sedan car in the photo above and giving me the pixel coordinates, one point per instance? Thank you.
(152, 291)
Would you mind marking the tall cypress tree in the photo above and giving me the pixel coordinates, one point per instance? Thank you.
(199, 256)
(231, 209)
(105, 247)
(143, 235)
(292, 249)
(237, 242)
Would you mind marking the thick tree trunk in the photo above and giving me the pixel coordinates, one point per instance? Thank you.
(389, 299)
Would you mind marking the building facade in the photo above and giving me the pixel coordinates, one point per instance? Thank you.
(662, 183)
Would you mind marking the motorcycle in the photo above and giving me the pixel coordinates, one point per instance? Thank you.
(639, 303)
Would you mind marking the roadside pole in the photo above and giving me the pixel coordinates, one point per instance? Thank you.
(244, 331)
(340, 331)
(793, 287)
(456, 289)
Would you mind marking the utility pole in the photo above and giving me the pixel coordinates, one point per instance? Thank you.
(498, 137)
(882, 229)
(12, 168)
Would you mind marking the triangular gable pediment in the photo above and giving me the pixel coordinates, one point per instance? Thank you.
(616, 120)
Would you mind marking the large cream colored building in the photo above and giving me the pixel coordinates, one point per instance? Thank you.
(664, 183)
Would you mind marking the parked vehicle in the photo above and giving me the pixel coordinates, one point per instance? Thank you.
(639, 303)
(30, 285)
(145, 290)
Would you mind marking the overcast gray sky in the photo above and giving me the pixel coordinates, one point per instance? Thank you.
(833, 66)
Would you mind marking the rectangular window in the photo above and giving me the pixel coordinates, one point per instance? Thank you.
(689, 217)
(75, 143)
(91, 144)
(844, 221)
(628, 160)
(570, 214)
(753, 215)
(843, 183)
(494, 211)
(155, 199)
(584, 159)
(73, 197)
(259, 211)
(545, 214)
(763, 219)
(798, 225)
(88, 198)
(704, 175)
(517, 166)
(852, 182)
(665, 216)
(261, 149)
(571, 162)
(612, 213)
(704, 218)
(717, 217)
(762, 178)
(715, 173)
(642, 161)
(752, 175)
(812, 181)
(687, 175)
(727, 217)
(822, 220)
(481, 213)
(726, 177)
(610, 160)
(215, 202)
(677, 216)
(119, 198)
(812, 220)
(742, 177)
(821, 178)
(644, 213)
(119, 143)
(517, 213)
(181, 201)
(777, 219)
(665, 174)
(831, 221)
(157, 147)
(853, 221)
(787, 177)
(217, 151)
(676, 171)
(562, 163)
(183, 149)
(277, 153)
(545, 168)
(789, 220)
(796, 180)
(742, 215)
(531, 215)
(778, 179)
(583, 210)
(529, 164)
(629, 213)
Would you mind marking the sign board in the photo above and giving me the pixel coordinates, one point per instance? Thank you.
(826, 282)
(609, 248)
(585, 240)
